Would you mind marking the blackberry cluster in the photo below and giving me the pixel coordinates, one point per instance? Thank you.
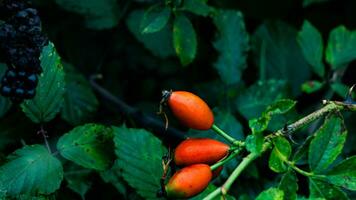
(21, 43)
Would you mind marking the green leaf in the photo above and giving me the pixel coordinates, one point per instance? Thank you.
(289, 185)
(311, 43)
(281, 106)
(159, 43)
(103, 14)
(340, 89)
(309, 2)
(139, 158)
(50, 89)
(31, 170)
(255, 99)
(232, 43)
(279, 56)
(208, 190)
(258, 125)
(341, 49)
(312, 86)
(37, 197)
(320, 189)
(254, 143)
(5, 103)
(327, 144)
(78, 179)
(280, 153)
(278, 107)
(271, 194)
(344, 174)
(88, 146)
(80, 101)
(114, 176)
(198, 7)
(309, 198)
(155, 19)
(300, 156)
(184, 39)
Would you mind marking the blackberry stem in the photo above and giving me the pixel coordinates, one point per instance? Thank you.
(44, 135)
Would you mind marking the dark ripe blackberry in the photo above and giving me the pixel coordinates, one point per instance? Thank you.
(20, 92)
(6, 91)
(32, 78)
(21, 43)
(7, 31)
(29, 94)
(22, 14)
(21, 75)
(12, 52)
(10, 7)
(40, 40)
(23, 28)
(10, 75)
(4, 81)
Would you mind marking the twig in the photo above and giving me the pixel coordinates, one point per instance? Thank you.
(309, 118)
(44, 135)
(226, 136)
(330, 106)
(232, 155)
(143, 120)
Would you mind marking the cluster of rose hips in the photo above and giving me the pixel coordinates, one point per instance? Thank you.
(21, 43)
(194, 155)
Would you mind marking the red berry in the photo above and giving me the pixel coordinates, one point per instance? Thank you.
(190, 109)
(200, 150)
(189, 181)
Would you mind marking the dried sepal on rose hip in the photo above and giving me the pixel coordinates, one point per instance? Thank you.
(189, 109)
(200, 150)
(189, 181)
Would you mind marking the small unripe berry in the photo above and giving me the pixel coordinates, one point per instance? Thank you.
(200, 150)
(189, 181)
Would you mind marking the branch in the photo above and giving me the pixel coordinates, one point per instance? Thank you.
(329, 106)
(143, 120)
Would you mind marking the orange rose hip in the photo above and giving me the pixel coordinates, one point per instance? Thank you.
(189, 109)
(200, 150)
(189, 181)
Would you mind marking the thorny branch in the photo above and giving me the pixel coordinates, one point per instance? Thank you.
(329, 107)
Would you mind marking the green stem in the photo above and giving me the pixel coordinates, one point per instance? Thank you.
(224, 188)
(330, 106)
(226, 136)
(297, 169)
(302, 172)
(227, 159)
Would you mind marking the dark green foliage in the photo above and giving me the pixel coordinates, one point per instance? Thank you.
(88, 146)
(232, 43)
(30, 170)
(49, 93)
(92, 130)
(289, 185)
(139, 156)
